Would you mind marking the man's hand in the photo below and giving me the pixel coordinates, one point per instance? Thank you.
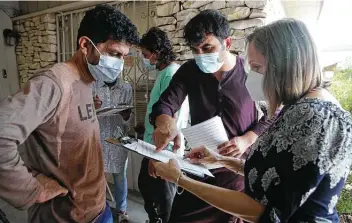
(126, 114)
(97, 102)
(165, 132)
(151, 169)
(238, 145)
(51, 189)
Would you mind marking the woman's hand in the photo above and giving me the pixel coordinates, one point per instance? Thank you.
(203, 155)
(170, 171)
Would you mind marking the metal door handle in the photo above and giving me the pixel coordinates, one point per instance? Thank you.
(4, 73)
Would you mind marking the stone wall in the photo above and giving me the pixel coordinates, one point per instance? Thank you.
(37, 47)
(243, 15)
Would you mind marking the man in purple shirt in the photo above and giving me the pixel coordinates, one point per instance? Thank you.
(215, 84)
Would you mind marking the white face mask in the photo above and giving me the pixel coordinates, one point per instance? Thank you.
(108, 69)
(209, 62)
(254, 85)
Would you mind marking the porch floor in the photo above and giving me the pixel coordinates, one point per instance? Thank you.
(135, 210)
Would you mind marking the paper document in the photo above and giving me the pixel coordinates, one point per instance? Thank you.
(148, 150)
(210, 134)
(111, 110)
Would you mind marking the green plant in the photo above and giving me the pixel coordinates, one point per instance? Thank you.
(345, 202)
(341, 88)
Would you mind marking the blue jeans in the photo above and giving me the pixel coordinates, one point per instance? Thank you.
(106, 216)
(120, 189)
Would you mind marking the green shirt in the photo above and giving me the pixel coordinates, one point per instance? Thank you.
(161, 83)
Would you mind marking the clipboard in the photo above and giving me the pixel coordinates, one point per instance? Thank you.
(111, 110)
(145, 149)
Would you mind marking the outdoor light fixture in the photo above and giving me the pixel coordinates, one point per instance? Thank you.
(11, 37)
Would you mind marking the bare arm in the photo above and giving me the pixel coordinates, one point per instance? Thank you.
(203, 155)
(232, 202)
(234, 164)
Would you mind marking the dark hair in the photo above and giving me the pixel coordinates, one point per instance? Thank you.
(206, 22)
(156, 41)
(105, 22)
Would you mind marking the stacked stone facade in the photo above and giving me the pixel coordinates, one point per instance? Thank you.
(37, 47)
(243, 15)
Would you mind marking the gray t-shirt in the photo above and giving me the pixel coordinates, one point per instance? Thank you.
(53, 118)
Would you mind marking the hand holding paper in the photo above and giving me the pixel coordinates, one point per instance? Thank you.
(203, 155)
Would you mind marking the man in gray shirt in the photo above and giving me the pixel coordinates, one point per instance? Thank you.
(116, 94)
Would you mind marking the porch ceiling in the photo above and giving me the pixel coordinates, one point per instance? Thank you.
(305, 10)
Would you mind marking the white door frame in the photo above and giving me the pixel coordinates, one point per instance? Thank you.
(10, 84)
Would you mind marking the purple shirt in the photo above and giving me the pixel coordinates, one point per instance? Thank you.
(208, 97)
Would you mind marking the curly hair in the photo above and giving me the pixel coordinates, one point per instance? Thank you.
(206, 22)
(104, 22)
(156, 41)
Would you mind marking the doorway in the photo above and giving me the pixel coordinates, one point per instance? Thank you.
(9, 81)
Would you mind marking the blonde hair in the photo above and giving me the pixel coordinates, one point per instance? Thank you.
(292, 66)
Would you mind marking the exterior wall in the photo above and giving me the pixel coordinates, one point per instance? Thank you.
(244, 16)
(37, 47)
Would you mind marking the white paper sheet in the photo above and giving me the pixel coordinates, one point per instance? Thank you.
(148, 150)
(210, 133)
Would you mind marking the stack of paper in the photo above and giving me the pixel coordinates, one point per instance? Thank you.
(210, 134)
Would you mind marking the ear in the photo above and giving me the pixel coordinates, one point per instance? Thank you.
(83, 43)
(156, 55)
(228, 43)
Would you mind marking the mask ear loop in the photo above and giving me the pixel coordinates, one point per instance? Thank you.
(222, 53)
(94, 46)
(150, 58)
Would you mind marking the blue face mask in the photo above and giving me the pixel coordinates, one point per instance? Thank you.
(108, 69)
(209, 62)
(146, 62)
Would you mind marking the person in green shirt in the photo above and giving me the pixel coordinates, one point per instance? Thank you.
(158, 194)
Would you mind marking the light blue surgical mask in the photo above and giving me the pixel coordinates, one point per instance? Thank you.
(146, 62)
(108, 69)
(209, 62)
